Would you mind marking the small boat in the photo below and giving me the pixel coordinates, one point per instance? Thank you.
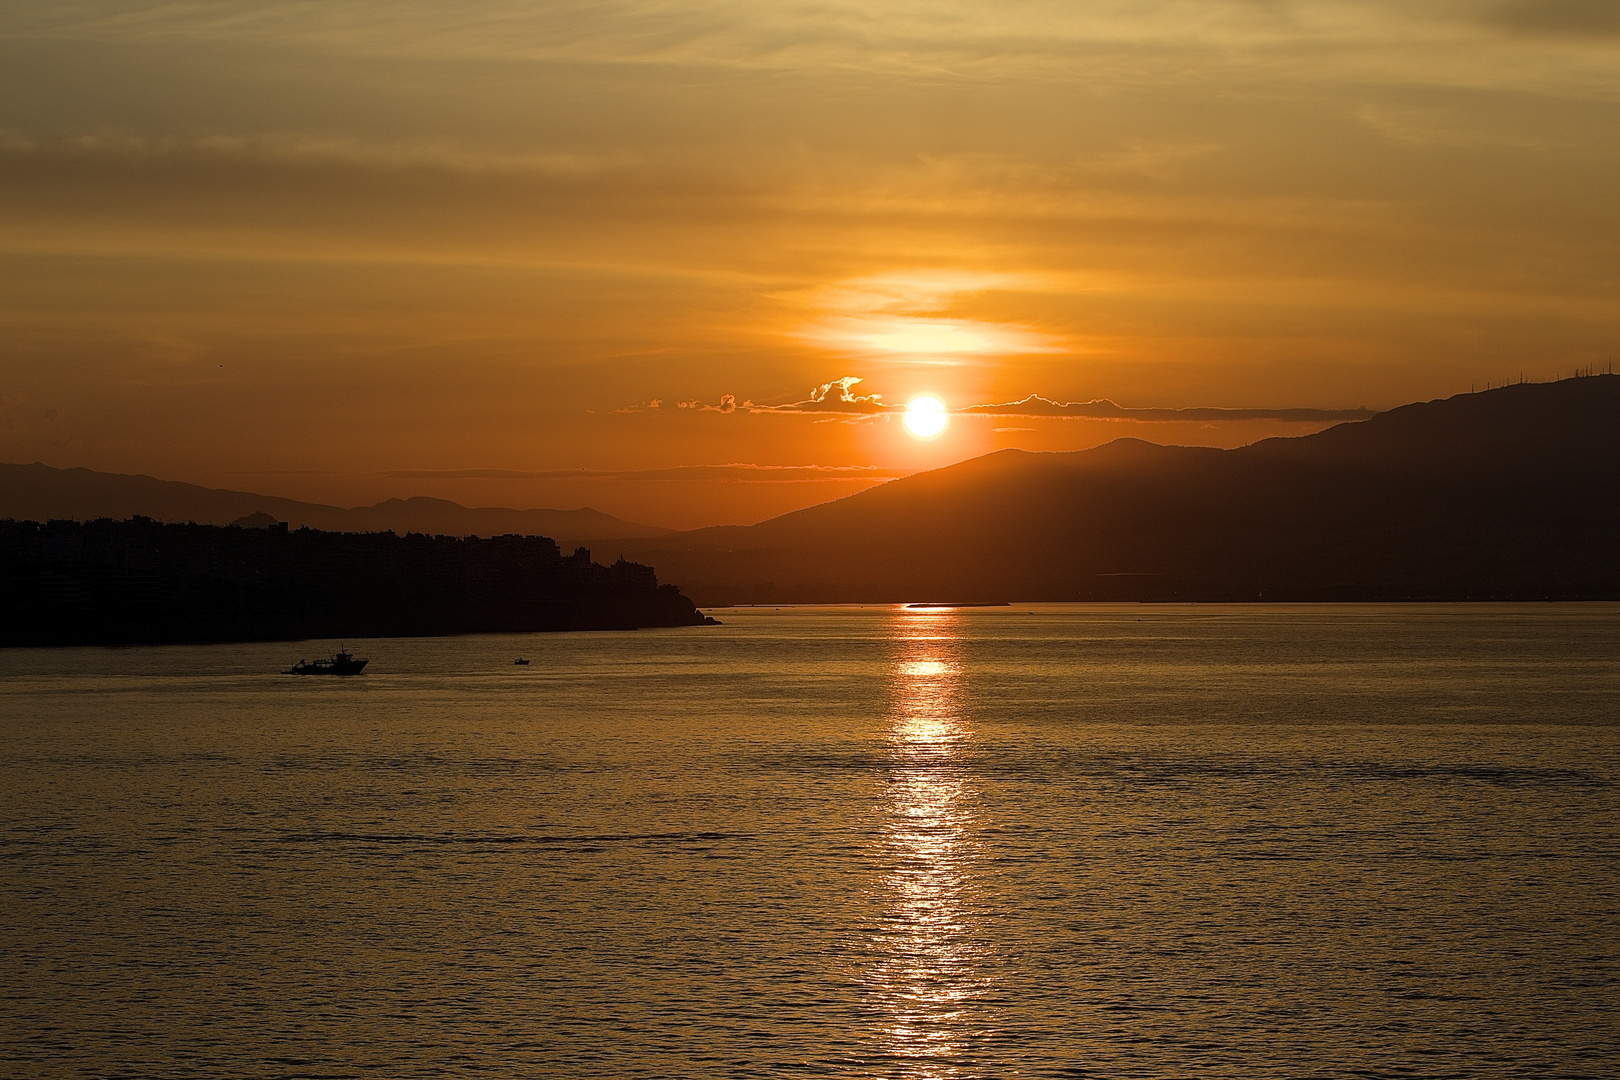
(521, 662)
(340, 663)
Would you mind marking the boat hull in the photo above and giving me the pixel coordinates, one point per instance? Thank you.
(327, 667)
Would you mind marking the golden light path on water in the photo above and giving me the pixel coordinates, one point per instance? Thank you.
(930, 970)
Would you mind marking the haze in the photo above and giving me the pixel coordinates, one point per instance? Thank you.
(657, 259)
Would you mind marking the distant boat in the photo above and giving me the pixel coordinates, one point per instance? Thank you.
(340, 663)
(521, 662)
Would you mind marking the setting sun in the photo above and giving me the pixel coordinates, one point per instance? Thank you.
(925, 417)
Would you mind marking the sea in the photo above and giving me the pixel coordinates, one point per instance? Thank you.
(1029, 841)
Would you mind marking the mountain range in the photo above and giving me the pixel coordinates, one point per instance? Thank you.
(40, 493)
(1513, 493)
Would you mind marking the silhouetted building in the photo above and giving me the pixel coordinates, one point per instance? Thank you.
(633, 575)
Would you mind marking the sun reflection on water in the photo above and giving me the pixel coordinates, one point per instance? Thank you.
(929, 969)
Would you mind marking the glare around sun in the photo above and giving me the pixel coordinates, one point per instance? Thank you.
(925, 416)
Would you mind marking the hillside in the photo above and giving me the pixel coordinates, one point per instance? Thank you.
(142, 582)
(1508, 494)
(40, 493)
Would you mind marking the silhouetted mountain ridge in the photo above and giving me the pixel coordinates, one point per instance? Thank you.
(38, 492)
(1511, 494)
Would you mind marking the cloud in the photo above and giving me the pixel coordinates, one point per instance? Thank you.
(961, 38)
(728, 404)
(834, 397)
(304, 151)
(908, 316)
(1104, 409)
(792, 33)
(1562, 17)
(915, 292)
(838, 397)
(935, 341)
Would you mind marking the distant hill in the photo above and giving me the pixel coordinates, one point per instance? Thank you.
(40, 493)
(138, 581)
(1508, 494)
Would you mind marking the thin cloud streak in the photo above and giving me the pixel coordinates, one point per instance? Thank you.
(838, 397)
(944, 39)
(1103, 409)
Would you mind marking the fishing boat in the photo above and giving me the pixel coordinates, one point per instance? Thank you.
(339, 663)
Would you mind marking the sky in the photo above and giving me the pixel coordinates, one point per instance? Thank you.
(683, 262)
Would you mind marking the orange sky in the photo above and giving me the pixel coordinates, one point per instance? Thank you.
(344, 250)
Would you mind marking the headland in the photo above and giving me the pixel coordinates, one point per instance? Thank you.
(139, 581)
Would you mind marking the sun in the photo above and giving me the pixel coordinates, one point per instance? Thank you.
(925, 416)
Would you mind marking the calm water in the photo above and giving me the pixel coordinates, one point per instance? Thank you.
(1088, 842)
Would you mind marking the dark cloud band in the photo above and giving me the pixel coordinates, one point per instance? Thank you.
(1104, 409)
